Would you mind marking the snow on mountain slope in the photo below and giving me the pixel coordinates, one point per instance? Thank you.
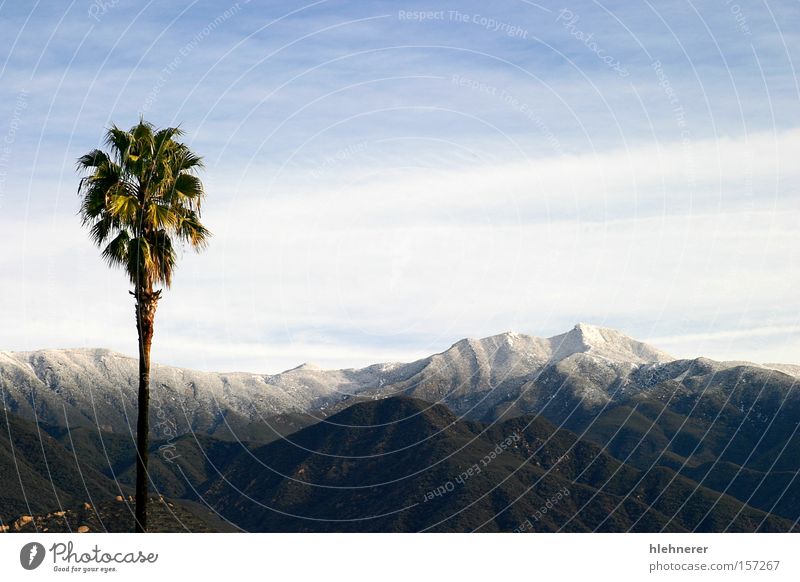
(790, 369)
(475, 375)
(586, 366)
(98, 387)
(606, 343)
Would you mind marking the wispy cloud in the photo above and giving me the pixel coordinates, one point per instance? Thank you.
(382, 186)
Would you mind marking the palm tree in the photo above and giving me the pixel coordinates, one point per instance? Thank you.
(137, 200)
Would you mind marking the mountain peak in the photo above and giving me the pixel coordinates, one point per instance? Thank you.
(508, 352)
(305, 367)
(606, 343)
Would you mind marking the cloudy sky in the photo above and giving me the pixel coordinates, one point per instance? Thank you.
(385, 178)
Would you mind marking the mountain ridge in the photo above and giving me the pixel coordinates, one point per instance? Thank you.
(581, 338)
(587, 366)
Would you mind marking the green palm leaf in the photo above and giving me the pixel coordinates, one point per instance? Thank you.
(145, 186)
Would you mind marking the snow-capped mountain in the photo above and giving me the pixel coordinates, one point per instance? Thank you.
(510, 373)
(98, 387)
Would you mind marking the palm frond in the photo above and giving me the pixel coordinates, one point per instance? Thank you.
(103, 228)
(116, 252)
(139, 196)
(192, 231)
(163, 256)
(123, 206)
(93, 159)
(164, 138)
(119, 141)
(187, 189)
(188, 160)
(139, 262)
(142, 144)
(160, 216)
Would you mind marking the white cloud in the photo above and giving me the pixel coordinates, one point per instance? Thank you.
(709, 175)
(401, 266)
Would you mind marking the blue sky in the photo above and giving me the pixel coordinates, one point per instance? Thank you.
(385, 178)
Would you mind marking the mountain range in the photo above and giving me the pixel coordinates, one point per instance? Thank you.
(588, 365)
(665, 444)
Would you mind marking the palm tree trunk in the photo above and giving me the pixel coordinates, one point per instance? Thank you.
(146, 303)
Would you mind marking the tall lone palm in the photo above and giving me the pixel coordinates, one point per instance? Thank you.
(138, 199)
